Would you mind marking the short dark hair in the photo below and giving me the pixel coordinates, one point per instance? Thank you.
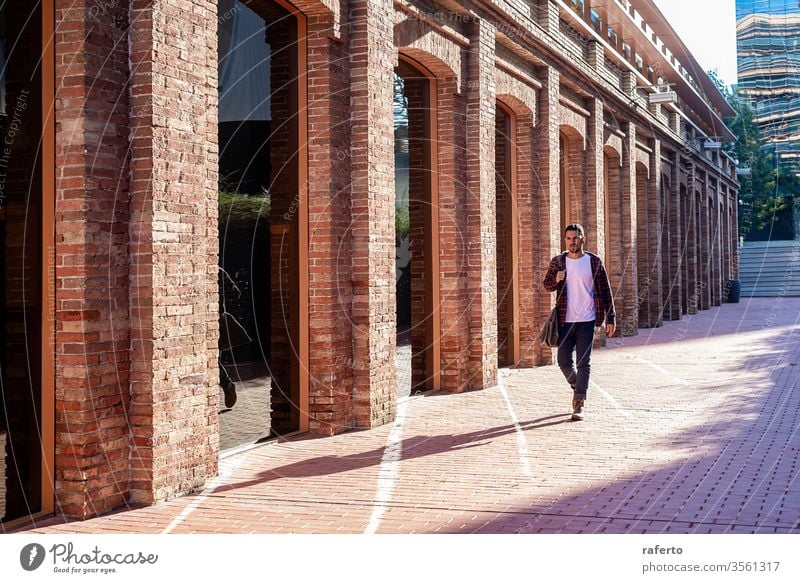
(574, 227)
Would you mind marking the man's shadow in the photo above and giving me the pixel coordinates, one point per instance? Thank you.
(413, 447)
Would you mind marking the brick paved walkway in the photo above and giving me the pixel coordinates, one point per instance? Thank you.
(692, 427)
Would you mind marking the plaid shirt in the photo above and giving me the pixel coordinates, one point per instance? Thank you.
(603, 298)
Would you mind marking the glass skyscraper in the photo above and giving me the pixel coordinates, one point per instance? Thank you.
(768, 46)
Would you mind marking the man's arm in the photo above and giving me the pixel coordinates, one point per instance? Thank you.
(550, 283)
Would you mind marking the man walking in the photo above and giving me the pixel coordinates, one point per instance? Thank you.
(584, 300)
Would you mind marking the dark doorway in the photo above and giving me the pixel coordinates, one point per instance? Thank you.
(417, 244)
(402, 239)
(259, 220)
(506, 238)
(23, 419)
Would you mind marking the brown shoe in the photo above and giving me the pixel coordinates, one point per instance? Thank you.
(577, 409)
(230, 394)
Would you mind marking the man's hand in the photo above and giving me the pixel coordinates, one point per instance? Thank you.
(561, 276)
(610, 328)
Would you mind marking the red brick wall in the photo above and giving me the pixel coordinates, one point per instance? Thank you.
(173, 254)
(330, 248)
(614, 260)
(480, 207)
(548, 188)
(93, 401)
(627, 303)
(136, 339)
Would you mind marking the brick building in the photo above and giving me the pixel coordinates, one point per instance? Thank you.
(142, 153)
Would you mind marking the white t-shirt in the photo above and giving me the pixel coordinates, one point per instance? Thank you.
(580, 290)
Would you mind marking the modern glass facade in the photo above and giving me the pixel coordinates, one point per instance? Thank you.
(768, 45)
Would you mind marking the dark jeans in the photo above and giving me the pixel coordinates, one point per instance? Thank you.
(577, 336)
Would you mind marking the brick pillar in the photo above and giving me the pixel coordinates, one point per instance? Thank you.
(548, 204)
(329, 247)
(685, 244)
(694, 286)
(628, 310)
(595, 56)
(726, 239)
(174, 248)
(667, 268)
(481, 207)
(677, 234)
(595, 180)
(92, 335)
(645, 246)
(655, 214)
(373, 222)
(716, 243)
(614, 260)
(548, 16)
(704, 248)
(734, 234)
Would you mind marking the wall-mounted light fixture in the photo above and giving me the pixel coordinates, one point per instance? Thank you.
(661, 93)
(662, 97)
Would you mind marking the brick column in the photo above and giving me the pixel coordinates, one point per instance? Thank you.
(595, 180)
(174, 247)
(628, 305)
(92, 335)
(481, 207)
(716, 242)
(655, 227)
(331, 330)
(677, 234)
(704, 248)
(548, 236)
(548, 16)
(694, 286)
(735, 234)
(726, 239)
(373, 227)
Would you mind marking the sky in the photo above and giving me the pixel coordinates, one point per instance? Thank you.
(708, 28)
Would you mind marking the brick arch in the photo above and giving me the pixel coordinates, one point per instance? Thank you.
(645, 167)
(612, 143)
(307, 7)
(418, 42)
(573, 135)
(514, 93)
(515, 104)
(613, 154)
